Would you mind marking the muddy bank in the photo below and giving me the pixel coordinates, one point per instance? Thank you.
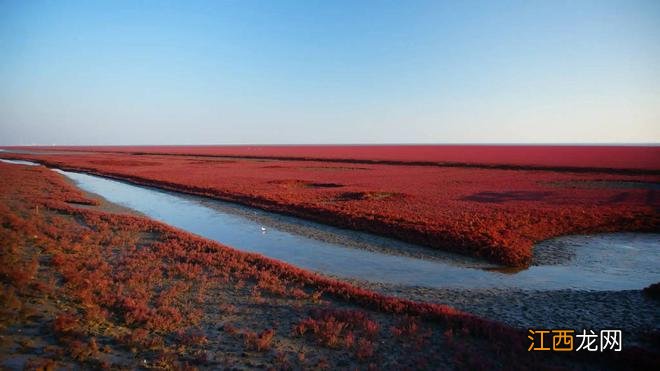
(600, 262)
(603, 262)
(84, 289)
(492, 214)
(632, 311)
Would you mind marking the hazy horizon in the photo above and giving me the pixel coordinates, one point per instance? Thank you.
(568, 144)
(369, 72)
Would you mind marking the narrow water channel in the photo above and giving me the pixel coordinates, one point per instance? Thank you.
(613, 262)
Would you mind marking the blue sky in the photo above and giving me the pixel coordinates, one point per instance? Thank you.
(234, 72)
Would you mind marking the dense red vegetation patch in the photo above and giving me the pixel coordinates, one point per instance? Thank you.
(493, 213)
(540, 156)
(81, 287)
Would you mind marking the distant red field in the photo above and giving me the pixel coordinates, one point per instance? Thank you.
(82, 287)
(642, 158)
(486, 212)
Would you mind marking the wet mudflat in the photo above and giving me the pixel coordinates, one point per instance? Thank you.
(607, 262)
(592, 281)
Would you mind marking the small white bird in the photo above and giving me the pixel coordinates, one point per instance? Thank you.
(263, 229)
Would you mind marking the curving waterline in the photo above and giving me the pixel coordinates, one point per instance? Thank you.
(613, 262)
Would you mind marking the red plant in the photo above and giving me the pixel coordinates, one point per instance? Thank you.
(336, 328)
(408, 326)
(113, 281)
(192, 337)
(259, 342)
(565, 156)
(365, 349)
(491, 202)
(66, 324)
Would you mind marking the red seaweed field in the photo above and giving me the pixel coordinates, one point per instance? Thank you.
(86, 286)
(594, 157)
(493, 202)
(329, 185)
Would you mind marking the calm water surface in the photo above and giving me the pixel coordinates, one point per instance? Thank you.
(619, 261)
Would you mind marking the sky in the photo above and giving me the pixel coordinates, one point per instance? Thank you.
(322, 72)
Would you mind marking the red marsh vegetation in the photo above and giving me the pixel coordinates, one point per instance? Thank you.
(82, 287)
(489, 212)
(560, 157)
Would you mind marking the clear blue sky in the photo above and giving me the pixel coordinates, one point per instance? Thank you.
(203, 72)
